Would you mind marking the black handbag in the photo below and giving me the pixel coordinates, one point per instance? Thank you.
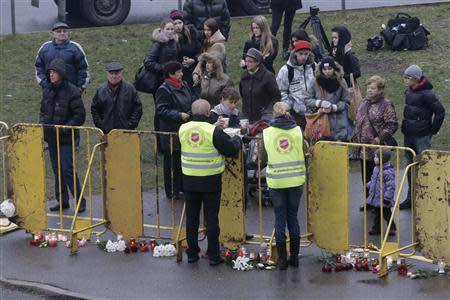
(146, 81)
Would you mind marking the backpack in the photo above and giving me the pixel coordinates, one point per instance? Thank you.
(374, 43)
(405, 32)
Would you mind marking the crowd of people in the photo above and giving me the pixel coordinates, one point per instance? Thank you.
(188, 61)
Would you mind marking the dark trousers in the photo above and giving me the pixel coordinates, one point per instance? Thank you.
(285, 205)
(418, 144)
(369, 170)
(156, 125)
(277, 15)
(172, 161)
(65, 152)
(386, 216)
(211, 205)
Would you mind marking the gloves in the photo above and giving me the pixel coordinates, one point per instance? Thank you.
(334, 108)
(326, 104)
(326, 110)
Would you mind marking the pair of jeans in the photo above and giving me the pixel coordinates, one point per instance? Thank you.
(285, 205)
(370, 164)
(418, 144)
(211, 206)
(66, 168)
(277, 15)
(172, 161)
(377, 218)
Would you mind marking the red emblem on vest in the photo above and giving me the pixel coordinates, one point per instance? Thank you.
(284, 144)
(195, 137)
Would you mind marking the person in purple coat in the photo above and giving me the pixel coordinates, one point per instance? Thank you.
(388, 191)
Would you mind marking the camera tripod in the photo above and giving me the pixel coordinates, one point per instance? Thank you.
(317, 28)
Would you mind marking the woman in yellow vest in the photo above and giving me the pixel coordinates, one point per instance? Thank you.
(285, 175)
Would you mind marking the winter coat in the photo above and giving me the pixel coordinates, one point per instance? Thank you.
(373, 198)
(121, 109)
(162, 51)
(61, 105)
(189, 49)
(72, 54)
(196, 12)
(268, 60)
(259, 91)
(297, 92)
(286, 4)
(226, 146)
(350, 63)
(420, 106)
(235, 116)
(381, 113)
(170, 102)
(338, 119)
(211, 86)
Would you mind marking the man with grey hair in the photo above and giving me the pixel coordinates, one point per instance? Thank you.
(203, 147)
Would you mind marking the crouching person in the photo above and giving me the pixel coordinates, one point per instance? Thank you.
(285, 175)
(203, 147)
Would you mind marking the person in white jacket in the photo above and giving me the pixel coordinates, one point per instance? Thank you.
(296, 80)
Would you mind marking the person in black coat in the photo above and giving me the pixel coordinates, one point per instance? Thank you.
(206, 191)
(62, 105)
(342, 52)
(196, 12)
(188, 46)
(116, 103)
(288, 8)
(423, 116)
(173, 106)
(262, 40)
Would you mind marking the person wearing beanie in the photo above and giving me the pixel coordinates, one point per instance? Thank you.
(62, 105)
(330, 95)
(385, 167)
(296, 80)
(288, 8)
(342, 52)
(188, 45)
(301, 34)
(258, 87)
(262, 39)
(423, 116)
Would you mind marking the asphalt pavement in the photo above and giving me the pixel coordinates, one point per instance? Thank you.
(31, 19)
(93, 273)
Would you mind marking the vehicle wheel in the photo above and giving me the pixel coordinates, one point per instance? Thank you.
(105, 12)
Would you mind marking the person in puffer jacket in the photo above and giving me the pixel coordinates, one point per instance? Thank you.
(69, 51)
(374, 197)
(423, 116)
(296, 90)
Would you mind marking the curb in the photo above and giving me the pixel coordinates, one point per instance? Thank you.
(45, 288)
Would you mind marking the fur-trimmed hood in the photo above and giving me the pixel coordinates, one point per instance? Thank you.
(217, 37)
(292, 61)
(161, 37)
(339, 72)
(203, 58)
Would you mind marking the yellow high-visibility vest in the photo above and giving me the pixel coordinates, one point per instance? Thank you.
(285, 158)
(199, 157)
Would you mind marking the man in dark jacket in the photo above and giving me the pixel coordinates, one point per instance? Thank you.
(197, 11)
(62, 105)
(116, 103)
(258, 87)
(423, 116)
(288, 8)
(70, 52)
(203, 147)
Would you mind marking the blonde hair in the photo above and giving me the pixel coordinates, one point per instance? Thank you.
(378, 80)
(266, 45)
(281, 109)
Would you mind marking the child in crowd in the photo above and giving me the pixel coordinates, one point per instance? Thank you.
(226, 114)
(388, 191)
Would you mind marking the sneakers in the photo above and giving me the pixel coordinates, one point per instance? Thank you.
(215, 262)
(56, 207)
(193, 258)
(82, 209)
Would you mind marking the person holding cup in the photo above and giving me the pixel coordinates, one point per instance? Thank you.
(226, 114)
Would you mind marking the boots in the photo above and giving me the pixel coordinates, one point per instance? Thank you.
(294, 249)
(282, 256)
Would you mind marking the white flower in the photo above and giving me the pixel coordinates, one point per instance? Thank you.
(158, 251)
(170, 250)
(111, 246)
(241, 264)
(7, 208)
(120, 245)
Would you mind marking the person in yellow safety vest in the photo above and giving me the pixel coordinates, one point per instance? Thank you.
(285, 176)
(203, 147)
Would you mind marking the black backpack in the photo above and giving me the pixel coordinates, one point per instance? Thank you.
(374, 43)
(405, 32)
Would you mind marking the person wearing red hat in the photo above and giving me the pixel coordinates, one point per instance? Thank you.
(296, 80)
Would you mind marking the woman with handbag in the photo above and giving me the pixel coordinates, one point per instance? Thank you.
(330, 96)
(173, 105)
(163, 50)
(375, 123)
